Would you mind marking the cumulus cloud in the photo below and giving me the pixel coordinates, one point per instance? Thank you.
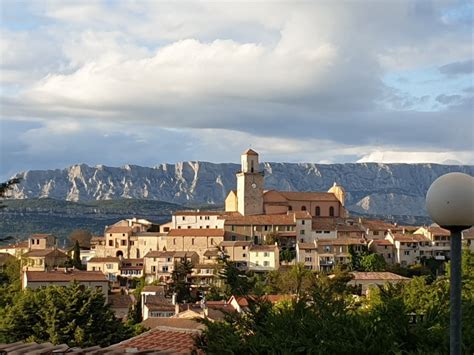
(292, 79)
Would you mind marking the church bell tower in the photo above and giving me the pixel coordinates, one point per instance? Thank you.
(250, 185)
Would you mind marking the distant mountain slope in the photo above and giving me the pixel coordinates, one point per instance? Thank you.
(20, 218)
(383, 189)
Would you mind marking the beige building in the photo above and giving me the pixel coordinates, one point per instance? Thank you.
(384, 248)
(194, 240)
(63, 277)
(368, 280)
(16, 250)
(41, 241)
(440, 241)
(376, 229)
(251, 199)
(131, 268)
(307, 253)
(468, 238)
(110, 266)
(410, 248)
(43, 259)
(198, 220)
(158, 265)
(336, 251)
(238, 252)
(264, 257)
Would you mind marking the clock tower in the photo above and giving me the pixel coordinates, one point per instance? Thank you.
(250, 185)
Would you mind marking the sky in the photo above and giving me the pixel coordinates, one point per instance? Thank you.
(150, 82)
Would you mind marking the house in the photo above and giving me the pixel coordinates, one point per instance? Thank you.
(337, 251)
(376, 229)
(440, 241)
(241, 304)
(16, 249)
(158, 265)
(63, 277)
(264, 257)
(323, 228)
(155, 304)
(384, 248)
(410, 248)
(131, 268)
(43, 259)
(468, 238)
(110, 266)
(367, 280)
(238, 252)
(120, 304)
(194, 240)
(41, 241)
(198, 220)
(307, 253)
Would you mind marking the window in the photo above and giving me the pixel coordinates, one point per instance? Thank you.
(200, 227)
(233, 238)
(266, 254)
(265, 228)
(189, 227)
(327, 232)
(318, 211)
(302, 231)
(376, 232)
(290, 208)
(303, 208)
(327, 248)
(123, 242)
(168, 260)
(174, 241)
(153, 268)
(244, 255)
(200, 217)
(266, 263)
(207, 227)
(308, 259)
(179, 227)
(331, 211)
(302, 222)
(183, 218)
(164, 269)
(93, 268)
(244, 247)
(232, 228)
(111, 243)
(110, 234)
(109, 266)
(407, 252)
(192, 241)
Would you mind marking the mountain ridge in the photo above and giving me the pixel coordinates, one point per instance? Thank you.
(373, 188)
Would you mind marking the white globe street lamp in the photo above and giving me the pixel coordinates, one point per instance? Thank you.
(450, 203)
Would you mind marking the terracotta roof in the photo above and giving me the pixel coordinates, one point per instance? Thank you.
(211, 252)
(271, 248)
(388, 276)
(61, 276)
(302, 215)
(197, 232)
(243, 302)
(307, 246)
(287, 234)
(181, 323)
(154, 288)
(20, 245)
(409, 237)
(270, 219)
(439, 231)
(118, 229)
(199, 213)
(376, 225)
(44, 252)
(182, 254)
(349, 228)
(250, 152)
(308, 196)
(140, 260)
(236, 243)
(109, 259)
(382, 242)
(167, 339)
(324, 224)
(341, 241)
(468, 233)
(119, 301)
(159, 254)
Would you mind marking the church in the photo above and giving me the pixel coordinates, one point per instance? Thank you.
(251, 198)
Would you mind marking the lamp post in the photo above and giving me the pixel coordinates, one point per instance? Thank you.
(450, 203)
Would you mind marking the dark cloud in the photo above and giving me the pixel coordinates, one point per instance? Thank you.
(458, 68)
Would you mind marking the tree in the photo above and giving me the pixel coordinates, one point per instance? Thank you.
(180, 280)
(75, 315)
(76, 257)
(373, 262)
(82, 236)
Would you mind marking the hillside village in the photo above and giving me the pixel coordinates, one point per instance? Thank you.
(259, 231)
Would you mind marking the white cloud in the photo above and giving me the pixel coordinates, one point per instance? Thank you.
(460, 157)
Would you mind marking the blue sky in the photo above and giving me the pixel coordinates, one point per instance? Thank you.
(128, 82)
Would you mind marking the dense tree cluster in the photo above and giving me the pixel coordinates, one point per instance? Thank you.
(326, 317)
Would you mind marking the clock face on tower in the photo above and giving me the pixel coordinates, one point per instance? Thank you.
(254, 186)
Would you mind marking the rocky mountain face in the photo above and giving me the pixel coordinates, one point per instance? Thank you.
(371, 188)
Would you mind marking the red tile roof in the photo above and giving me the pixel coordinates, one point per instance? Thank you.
(61, 276)
(167, 339)
(250, 152)
(439, 231)
(270, 248)
(382, 242)
(118, 229)
(263, 219)
(197, 232)
(409, 237)
(236, 243)
(341, 241)
(109, 259)
(374, 276)
(159, 254)
(306, 246)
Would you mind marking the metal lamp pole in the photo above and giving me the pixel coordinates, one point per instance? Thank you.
(450, 203)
